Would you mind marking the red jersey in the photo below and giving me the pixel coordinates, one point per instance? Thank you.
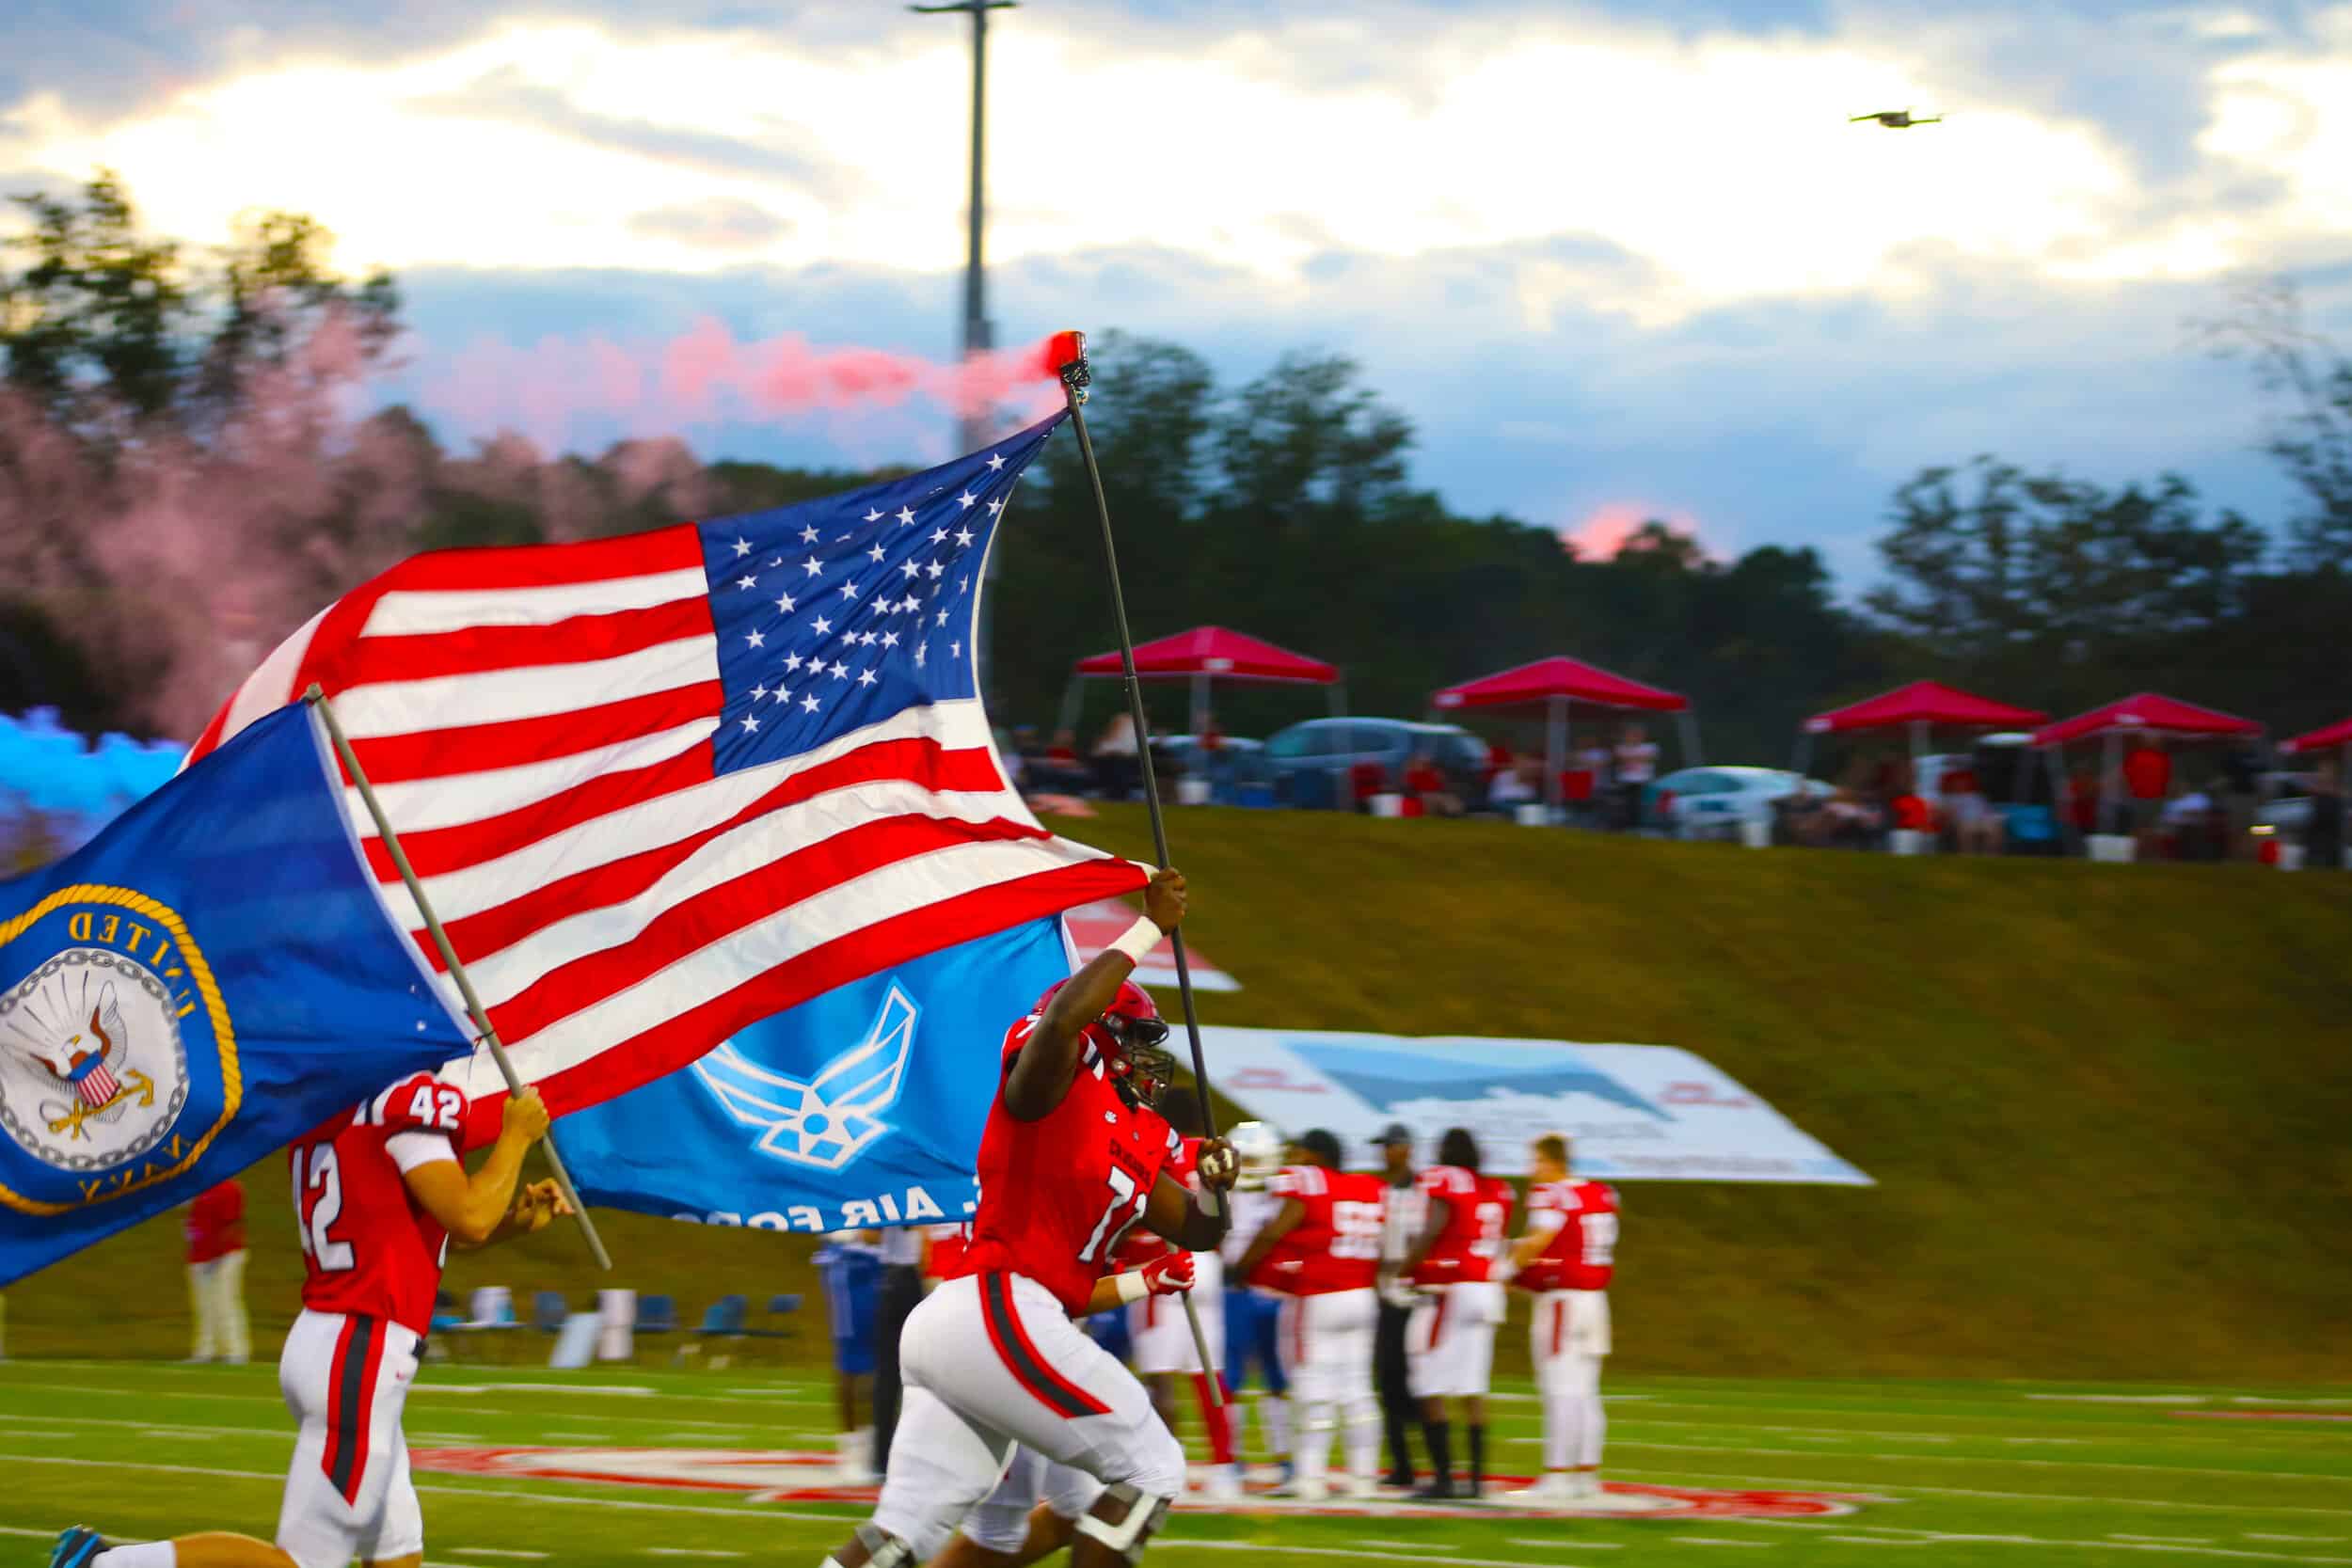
(1141, 1245)
(1058, 1194)
(1335, 1243)
(1583, 1250)
(1476, 1209)
(369, 1247)
(216, 1222)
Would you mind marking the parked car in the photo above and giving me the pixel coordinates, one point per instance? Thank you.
(1713, 802)
(1314, 763)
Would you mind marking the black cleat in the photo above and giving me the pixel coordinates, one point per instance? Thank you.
(1439, 1491)
(76, 1547)
(1402, 1479)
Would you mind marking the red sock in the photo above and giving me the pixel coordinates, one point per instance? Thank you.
(1217, 1419)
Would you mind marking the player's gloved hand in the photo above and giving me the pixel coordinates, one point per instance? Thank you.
(1169, 1274)
(1164, 898)
(1503, 1269)
(1220, 1167)
(525, 1118)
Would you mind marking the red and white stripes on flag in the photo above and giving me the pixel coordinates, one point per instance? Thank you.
(538, 722)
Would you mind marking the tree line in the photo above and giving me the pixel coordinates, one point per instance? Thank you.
(185, 480)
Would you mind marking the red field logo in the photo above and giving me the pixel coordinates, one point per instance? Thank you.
(773, 1475)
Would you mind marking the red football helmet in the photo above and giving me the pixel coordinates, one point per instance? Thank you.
(1130, 1036)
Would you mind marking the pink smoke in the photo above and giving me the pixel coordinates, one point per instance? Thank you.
(706, 373)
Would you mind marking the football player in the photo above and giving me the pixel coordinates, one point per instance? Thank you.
(379, 1197)
(1071, 1157)
(1565, 1261)
(1322, 1251)
(1450, 1343)
(1251, 1314)
(1036, 1506)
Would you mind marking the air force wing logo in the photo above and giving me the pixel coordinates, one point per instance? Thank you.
(828, 1120)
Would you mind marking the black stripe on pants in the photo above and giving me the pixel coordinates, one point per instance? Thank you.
(1398, 1410)
(901, 1292)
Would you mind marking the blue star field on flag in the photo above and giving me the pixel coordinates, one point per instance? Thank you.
(835, 615)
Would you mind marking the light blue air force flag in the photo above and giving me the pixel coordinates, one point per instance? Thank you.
(209, 979)
(859, 1108)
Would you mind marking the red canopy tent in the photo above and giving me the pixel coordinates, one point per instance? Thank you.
(2320, 740)
(2334, 736)
(1205, 654)
(1554, 683)
(2146, 713)
(1918, 707)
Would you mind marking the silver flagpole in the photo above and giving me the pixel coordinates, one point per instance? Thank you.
(317, 699)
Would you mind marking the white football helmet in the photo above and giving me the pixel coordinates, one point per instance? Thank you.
(1261, 1148)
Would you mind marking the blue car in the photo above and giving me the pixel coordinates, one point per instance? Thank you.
(1312, 763)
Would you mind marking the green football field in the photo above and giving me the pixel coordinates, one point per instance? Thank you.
(1941, 1472)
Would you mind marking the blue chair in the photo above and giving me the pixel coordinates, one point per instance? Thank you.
(548, 1311)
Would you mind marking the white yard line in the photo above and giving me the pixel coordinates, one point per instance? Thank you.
(1717, 1540)
(1815, 1483)
(1889, 1535)
(2344, 1479)
(750, 1513)
(494, 1551)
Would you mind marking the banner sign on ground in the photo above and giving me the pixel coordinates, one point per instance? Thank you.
(1638, 1113)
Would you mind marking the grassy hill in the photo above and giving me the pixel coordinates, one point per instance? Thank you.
(2105, 1106)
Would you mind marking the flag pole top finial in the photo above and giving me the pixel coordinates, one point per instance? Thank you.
(1066, 356)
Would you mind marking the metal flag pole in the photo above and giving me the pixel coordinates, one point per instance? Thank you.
(317, 699)
(1068, 354)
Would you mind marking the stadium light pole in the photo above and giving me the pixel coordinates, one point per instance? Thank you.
(971, 430)
(972, 426)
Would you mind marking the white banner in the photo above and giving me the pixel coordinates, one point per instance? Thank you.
(1638, 1113)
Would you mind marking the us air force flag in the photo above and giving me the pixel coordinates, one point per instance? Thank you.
(860, 1108)
(212, 976)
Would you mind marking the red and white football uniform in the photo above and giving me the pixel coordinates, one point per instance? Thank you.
(1569, 1331)
(1156, 1325)
(1450, 1343)
(1327, 1266)
(992, 1358)
(373, 1257)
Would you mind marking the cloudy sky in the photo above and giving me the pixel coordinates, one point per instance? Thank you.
(1614, 260)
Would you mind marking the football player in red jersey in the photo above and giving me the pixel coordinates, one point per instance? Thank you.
(1322, 1251)
(1036, 1506)
(1072, 1155)
(1565, 1261)
(379, 1196)
(1449, 1344)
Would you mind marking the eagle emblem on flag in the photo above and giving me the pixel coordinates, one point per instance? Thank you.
(92, 1071)
(827, 1121)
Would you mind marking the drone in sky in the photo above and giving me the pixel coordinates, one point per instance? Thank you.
(1897, 119)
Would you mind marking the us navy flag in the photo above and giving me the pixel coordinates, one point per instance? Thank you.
(212, 976)
(860, 1108)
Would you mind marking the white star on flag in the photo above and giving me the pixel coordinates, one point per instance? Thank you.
(742, 548)
(965, 501)
(808, 535)
(994, 462)
(906, 515)
(756, 639)
(865, 677)
(821, 626)
(784, 602)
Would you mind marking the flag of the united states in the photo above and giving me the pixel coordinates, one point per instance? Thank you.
(662, 786)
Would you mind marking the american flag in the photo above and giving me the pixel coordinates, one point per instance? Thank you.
(659, 786)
